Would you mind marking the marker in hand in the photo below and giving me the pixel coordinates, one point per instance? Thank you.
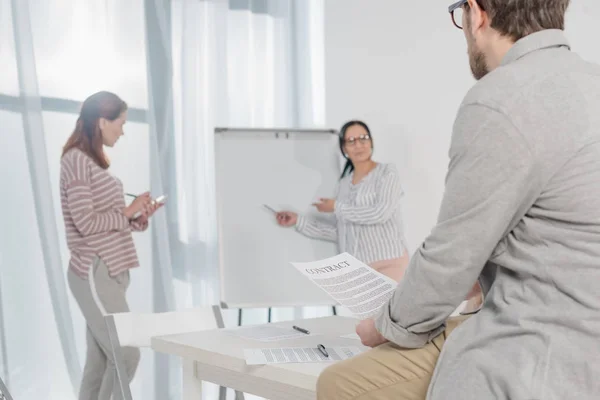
(286, 218)
(270, 208)
(283, 217)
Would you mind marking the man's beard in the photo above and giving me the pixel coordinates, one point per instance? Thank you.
(477, 60)
(479, 67)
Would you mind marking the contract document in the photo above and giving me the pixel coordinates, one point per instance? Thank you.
(288, 355)
(265, 333)
(351, 283)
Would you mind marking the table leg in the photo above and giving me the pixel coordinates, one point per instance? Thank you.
(239, 395)
(192, 386)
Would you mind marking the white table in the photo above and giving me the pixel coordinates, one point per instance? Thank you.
(216, 356)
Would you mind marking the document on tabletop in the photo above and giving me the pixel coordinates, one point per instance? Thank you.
(351, 336)
(351, 283)
(265, 333)
(289, 355)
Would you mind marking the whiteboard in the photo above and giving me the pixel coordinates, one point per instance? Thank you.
(287, 170)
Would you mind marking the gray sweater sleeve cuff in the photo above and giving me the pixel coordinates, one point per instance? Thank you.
(401, 336)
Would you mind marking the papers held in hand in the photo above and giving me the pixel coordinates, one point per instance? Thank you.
(351, 283)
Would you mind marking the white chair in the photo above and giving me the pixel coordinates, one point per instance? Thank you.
(4, 395)
(137, 329)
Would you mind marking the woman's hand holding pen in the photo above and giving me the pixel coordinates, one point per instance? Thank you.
(325, 205)
(286, 218)
(139, 204)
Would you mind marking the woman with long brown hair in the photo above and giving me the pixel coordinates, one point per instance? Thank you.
(98, 228)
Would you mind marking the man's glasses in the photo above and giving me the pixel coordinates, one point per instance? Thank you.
(457, 10)
(351, 141)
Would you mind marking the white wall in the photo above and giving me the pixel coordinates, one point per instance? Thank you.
(402, 67)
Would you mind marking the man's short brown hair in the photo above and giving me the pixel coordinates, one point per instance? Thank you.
(519, 18)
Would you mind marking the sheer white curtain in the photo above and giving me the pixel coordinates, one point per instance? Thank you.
(223, 63)
(184, 67)
(52, 56)
(236, 63)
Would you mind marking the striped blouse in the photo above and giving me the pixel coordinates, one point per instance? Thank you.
(367, 220)
(92, 204)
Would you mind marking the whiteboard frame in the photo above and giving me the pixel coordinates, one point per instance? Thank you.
(284, 132)
(275, 130)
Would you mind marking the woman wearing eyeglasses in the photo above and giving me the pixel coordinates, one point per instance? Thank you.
(367, 219)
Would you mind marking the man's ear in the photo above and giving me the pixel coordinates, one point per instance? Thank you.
(478, 18)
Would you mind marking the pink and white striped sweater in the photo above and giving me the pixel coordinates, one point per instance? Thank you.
(92, 204)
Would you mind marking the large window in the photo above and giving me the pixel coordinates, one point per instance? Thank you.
(70, 49)
(180, 78)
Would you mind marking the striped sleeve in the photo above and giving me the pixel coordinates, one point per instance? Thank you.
(387, 195)
(80, 203)
(324, 230)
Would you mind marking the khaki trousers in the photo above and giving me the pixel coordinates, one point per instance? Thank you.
(385, 372)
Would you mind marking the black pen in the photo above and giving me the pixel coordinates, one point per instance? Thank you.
(301, 330)
(321, 348)
(131, 195)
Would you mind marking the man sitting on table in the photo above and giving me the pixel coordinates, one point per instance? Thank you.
(521, 212)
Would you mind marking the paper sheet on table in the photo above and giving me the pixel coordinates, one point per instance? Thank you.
(351, 283)
(289, 355)
(265, 333)
(351, 336)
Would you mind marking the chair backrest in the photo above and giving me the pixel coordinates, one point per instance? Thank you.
(137, 329)
(4, 394)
